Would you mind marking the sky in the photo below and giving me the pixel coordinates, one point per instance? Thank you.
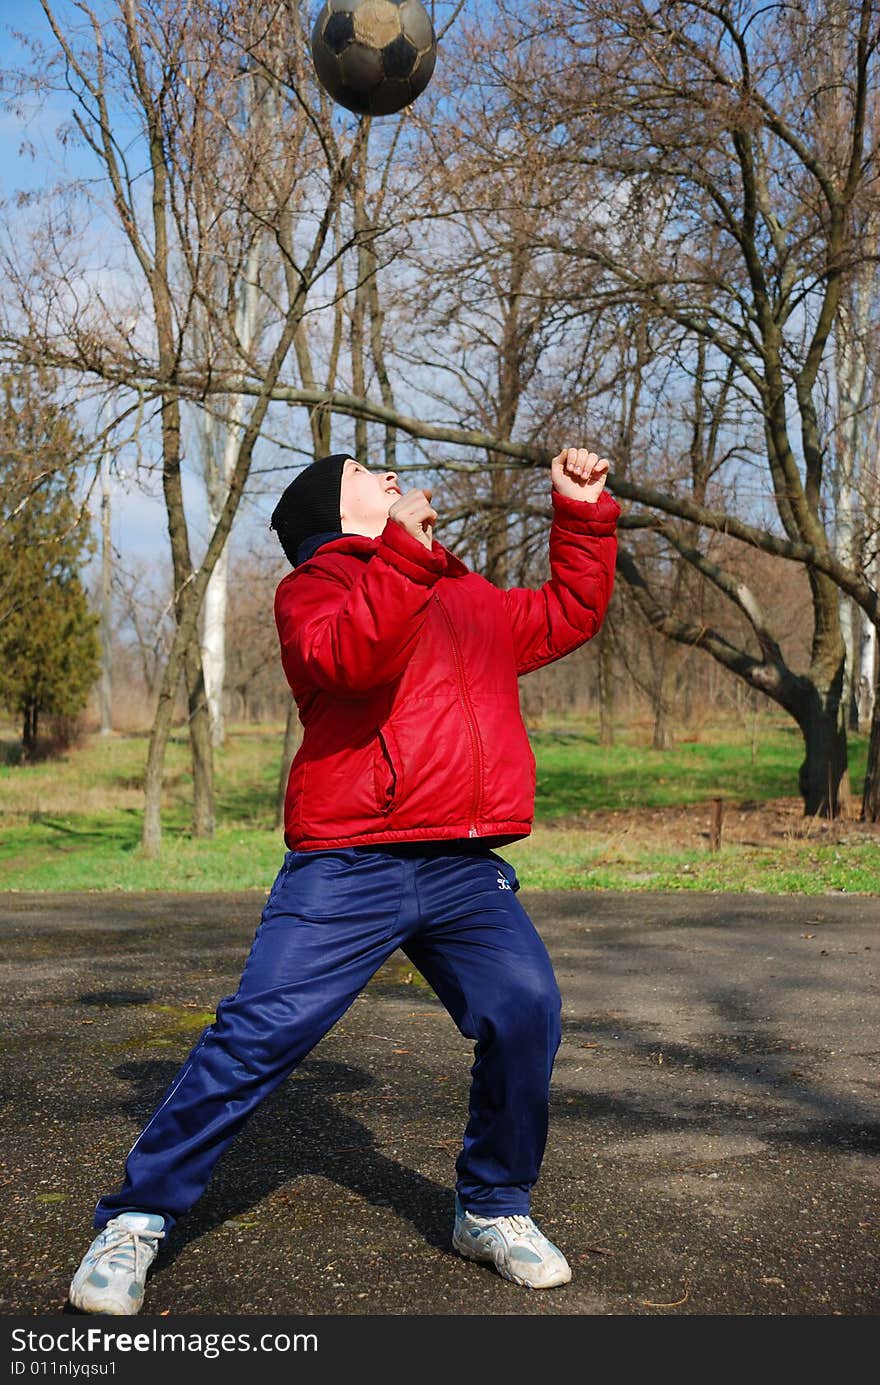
(29, 157)
(29, 153)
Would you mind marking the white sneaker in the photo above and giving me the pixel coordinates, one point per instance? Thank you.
(111, 1275)
(520, 1251)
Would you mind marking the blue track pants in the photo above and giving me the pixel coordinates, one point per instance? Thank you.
(330, 921)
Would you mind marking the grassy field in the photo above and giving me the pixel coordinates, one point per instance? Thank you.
(627, 817)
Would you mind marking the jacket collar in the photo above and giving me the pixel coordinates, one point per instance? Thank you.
(313, 542)
(363, 547)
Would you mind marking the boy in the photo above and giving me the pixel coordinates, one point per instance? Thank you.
(414, 763)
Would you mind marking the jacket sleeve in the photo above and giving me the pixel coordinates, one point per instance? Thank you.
(568, 609)
(349, 638)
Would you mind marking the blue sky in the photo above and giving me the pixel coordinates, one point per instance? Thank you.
(30, 156)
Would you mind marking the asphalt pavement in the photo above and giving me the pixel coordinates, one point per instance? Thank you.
(714, 1131)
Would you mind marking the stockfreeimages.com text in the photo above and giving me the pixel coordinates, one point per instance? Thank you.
(207, 1344)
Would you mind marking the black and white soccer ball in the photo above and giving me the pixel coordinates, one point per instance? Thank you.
(373, 56)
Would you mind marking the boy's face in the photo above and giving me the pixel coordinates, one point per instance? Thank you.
(365, 499)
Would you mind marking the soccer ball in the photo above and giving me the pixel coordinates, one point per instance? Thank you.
(373, 56)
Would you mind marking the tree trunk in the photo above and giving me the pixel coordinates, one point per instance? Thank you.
(151, 830)
(661, 739)
(220, 438)
(180, 661)
(870, 799)
(825, 720)
(201, 745)
(214, 644)
(106, 692)
(292, 741)
(867, 679)
(849, 630)
(871, 793)
(851, 371)
(29, 729)
(606, 718)
(823, 726)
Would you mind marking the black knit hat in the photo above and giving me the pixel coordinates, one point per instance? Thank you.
(310, 505)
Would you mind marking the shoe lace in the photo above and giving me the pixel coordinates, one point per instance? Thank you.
(120, 1242)
(520, 1225)
(517, 1224)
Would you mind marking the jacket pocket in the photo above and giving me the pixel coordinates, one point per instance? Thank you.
(386, 773)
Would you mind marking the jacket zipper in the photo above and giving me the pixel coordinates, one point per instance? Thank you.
(470, 718)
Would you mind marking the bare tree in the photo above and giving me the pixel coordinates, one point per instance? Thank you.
(728, 207)
(622, 208)
(856, 474)
(194, 188)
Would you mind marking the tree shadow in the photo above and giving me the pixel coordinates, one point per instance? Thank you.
(760, 1060)
(297, 1131)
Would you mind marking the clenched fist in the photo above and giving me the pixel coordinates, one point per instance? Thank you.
(414, 514)
(579, 473)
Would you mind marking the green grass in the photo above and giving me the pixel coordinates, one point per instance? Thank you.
(102, 851)
(565, 860)
(74, 823)
(576, 772)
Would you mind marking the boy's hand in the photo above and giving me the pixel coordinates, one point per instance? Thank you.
(579, 473)
(413, 512)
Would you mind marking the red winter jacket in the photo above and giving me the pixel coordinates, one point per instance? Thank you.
(404, 667)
